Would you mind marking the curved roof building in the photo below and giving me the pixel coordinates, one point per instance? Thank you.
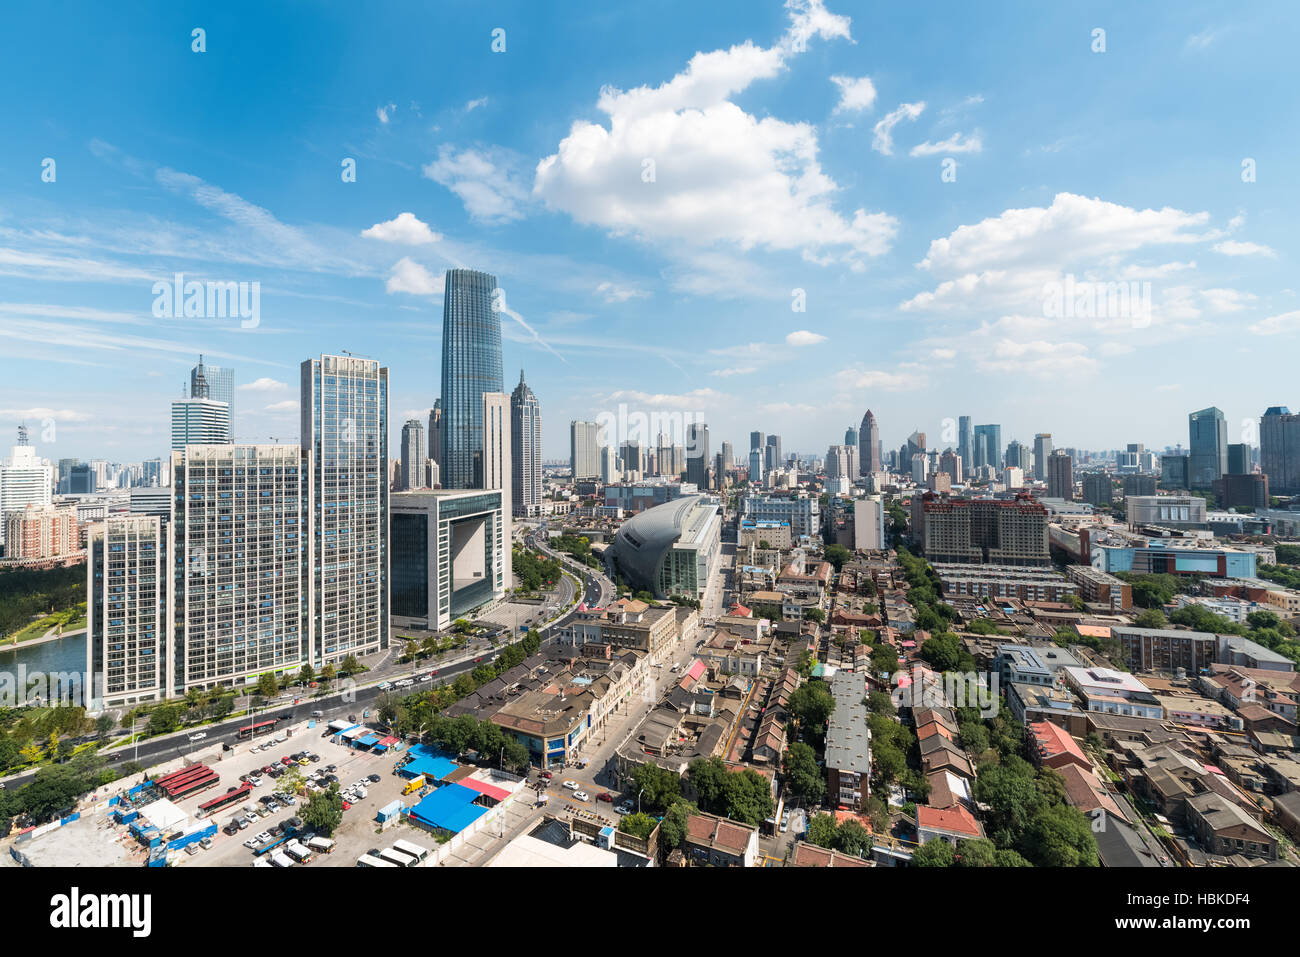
(670, 549)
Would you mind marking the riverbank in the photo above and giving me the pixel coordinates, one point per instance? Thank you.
(51, 634)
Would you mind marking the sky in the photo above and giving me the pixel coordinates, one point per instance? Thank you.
(762, 215)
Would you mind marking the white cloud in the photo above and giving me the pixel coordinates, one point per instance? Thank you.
(856, 93)
(1073, 228)
(485, 181)
(410, 277)
(405, 229)
(1233, 247)
(38, 414)
(473, 105)
(288, 405)
(883, 139)
(693, 400)
(802, 337)
(740, 370)
(1273, 325)
(856, 378)
(621, 292)
(263, 384)
(953, 144)
(385, 112)
(720, 174)
(1199, 41)
(1115, 349)
(1227, 300)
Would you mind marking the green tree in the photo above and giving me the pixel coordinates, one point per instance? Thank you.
(708, 779)
(812, 703)
(814, 614)
(837, 555)
(104, 724)
(640, 824)
(164, 719)
(1059, 836)
(853, 838)
(822, 830)
(324, 811)
(935, 852)
(267, 686)
(802, 773)
(660, 785)
(673, 828)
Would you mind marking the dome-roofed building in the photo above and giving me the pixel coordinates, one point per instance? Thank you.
(669, 549)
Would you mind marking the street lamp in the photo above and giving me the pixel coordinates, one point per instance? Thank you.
(638, 800)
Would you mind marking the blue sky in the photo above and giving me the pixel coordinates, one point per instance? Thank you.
(798, 146)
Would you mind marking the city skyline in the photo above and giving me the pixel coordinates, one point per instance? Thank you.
(901, 292)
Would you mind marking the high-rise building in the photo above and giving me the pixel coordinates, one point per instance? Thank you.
(81, 480)
(758, 440)
(608, 465)
(950, 463)
(1060, 476)
(413, 471)
(1042, 452)
(965, 441)
(773, 460)
(584, 450)
(37, 532)
(1097, 488)
(1175, 472)
(24, 480)
(1279, 449)
(435, 433)
(525, 449)
(198, 421)
(344, 411)
(127, 588)
(1018, 455)
(497, 469)
(697, 454)
(214, 382)
(728, 457)
(981, 531)
(851, 436)
(988, 446)
(1208, 431)
(240, 579)
(756, 459)
(1139, 485)
(471, 366)
(1238, 459)
(869, 445)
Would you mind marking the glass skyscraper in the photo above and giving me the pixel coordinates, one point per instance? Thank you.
(525, 449)
(1208, 432)
(344, 412)
(471, 366)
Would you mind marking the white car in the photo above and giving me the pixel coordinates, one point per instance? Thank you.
(620, 809)
(572, 785)
(198, 736)
(256, 781)
(580, 796)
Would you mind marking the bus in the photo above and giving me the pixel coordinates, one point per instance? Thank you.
(229, 799)
(415, 850)
(256, 730)
(398, 858)
(322, 845)
(369, 860)
(188, 781)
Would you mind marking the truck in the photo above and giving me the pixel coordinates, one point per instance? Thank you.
(280, 859)
(299, 853)
(413, 785)
(321, 845)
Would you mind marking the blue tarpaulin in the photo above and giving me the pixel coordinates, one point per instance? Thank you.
(367, 741)
(451, 808)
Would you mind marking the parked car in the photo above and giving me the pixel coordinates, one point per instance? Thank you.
(252, 842)
(374, 779)
(605, 796)
(545, 774)
(347, 805)
(572, 785)
(581, 796)
(230, 829)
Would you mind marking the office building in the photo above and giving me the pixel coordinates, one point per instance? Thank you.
(1208, 460)
(609, 472)
(1019, 455)
(1245, 491)
(697, 454)
(238, 546)
(1238, 459)
(801, 512)
(471, 366)
(1097, 488)
(950, 463)
(450, 553)
(1042, 452)
(1175, 473)
(434, 440)
(869, 523)
(1279, 449)
(525, 450)
(869, 445)
(344, 411)
(497, 462)
(127, 609)
(1060, 476)
(199, 421)
(584, 450)
(413, 471)
(988, 446)
(756, 457)
(24, 480)
(774, 460)
(965, 441)
(214, 382)
(1139, 485)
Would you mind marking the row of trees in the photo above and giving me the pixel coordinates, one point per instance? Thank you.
(534, 570)
(26, 593)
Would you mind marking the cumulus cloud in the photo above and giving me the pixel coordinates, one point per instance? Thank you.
(856, 93)
(385, 113)
(883, 139)
(485, 180)
(410, 277)
(680, 163)
(1233, 247)
(1275, 325)
(802, 337)
(263, 384)
(405, 229)
(621, 292)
